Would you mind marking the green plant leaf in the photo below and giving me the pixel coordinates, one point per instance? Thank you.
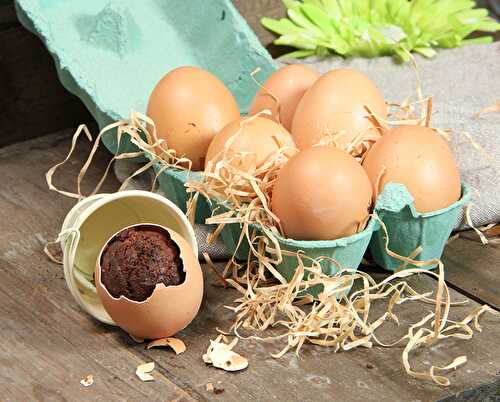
(371, 28)
(299, 54)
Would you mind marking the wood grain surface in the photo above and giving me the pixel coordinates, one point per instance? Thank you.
(49, 344)
(33, 101)
(474, 268)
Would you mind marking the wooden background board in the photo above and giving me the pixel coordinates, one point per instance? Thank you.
(474, 268)
(49, 343)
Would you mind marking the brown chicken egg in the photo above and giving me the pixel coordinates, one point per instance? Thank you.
(252, 141)
(336, 104)
(285, 88)
(149, 281)
(321, 193)
(420, 159)
(189, 106)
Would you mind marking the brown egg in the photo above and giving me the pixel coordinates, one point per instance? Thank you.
(288, 85)
(189, 106)
(167, 309)
(321, 193)
(420, 159)
(336, 103)
(257, 136)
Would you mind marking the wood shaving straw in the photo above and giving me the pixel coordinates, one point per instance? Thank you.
(142, 133)
(490, 109)
(135, 339)
(267, 92)
(334, 319)
(53, 256)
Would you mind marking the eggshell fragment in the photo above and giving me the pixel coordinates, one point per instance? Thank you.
(189, 106)
(142, 371)
(420, 159)
(168, 310)
(220, 355)
(87, 381)
(255, 136)
(336, 104)
(283, 90)
(321, 193)
(176, 344)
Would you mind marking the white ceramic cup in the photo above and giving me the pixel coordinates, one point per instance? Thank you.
(91, 223)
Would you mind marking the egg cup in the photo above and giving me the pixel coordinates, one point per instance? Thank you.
(91, 223)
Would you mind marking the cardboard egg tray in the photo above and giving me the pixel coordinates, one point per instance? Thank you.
(407, 230)
(112, 53)
(92, 41)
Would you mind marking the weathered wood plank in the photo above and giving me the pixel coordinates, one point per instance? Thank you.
(473, 268)
(8, 17)
(49, 344)
(253, 11)
(33, 100)
(317, 374)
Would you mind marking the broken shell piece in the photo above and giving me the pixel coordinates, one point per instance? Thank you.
(210, 387)
(143, 371)
(87, 381)
(229, 361)
(176, 344)
(221, 356)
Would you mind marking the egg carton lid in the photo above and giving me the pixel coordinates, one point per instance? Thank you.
(111, 54)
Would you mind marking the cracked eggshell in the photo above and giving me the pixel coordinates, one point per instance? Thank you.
(189, 106)
(336, 103)
(288, 85)
(168, 310)
(256, 135)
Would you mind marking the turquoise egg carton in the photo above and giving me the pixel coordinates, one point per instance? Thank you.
(407, 229)
(112, 53)
(172, 182)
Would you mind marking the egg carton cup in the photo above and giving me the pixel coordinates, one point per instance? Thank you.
(346, 252)
(94, 220)
(409, 230)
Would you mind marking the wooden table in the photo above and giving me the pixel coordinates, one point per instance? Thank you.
(49, 344)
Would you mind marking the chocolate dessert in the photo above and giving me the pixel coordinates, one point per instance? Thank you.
(138, 258)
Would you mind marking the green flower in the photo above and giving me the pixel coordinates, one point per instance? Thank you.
(371, 28)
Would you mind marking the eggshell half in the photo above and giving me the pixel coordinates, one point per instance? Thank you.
(420, 159)
(288, 85)
(336, 103)
(321, 193)
(168, 310)
(257, 136)
(189, 106)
